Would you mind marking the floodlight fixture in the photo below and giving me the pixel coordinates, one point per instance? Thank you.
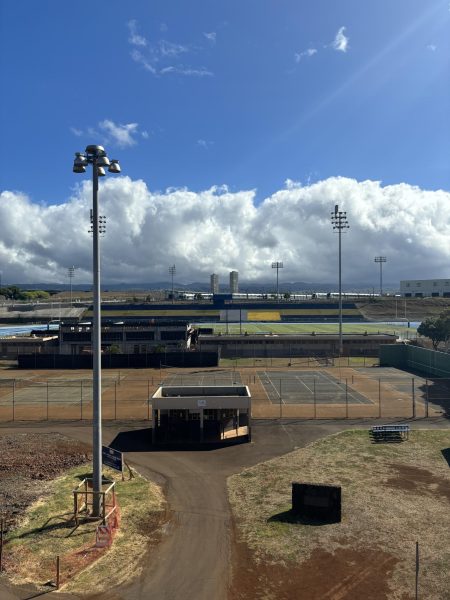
(114, 166)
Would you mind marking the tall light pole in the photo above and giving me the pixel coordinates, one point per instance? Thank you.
(71, 275)
(381, 260)
(96, 156)
(172, 271)
(277, 265)
(339, 222)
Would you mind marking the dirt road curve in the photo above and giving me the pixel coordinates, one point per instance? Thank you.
(192, 561)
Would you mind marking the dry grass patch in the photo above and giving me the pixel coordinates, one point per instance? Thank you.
(393, 495)
(47, 530)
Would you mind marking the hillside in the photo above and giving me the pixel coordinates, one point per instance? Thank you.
(395, 309)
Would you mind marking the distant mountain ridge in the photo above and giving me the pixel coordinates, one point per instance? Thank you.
(244, 287)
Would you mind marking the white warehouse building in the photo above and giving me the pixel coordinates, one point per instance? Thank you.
(423, 288)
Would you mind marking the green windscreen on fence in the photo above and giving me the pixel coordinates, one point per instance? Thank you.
(403, 356)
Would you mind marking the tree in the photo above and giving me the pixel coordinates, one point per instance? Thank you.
(286, 295)
(437, 329)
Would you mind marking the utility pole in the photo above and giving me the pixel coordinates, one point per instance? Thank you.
(339, 222)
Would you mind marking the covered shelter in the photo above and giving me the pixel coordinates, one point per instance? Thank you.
(201, 414)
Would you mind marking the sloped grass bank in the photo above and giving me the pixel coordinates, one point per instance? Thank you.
(47, 530)
(393, 495)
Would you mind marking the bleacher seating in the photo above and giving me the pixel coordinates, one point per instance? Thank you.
(389, 433)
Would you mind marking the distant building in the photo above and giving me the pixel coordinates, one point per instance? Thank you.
(422, 288)
(214, 284)
(126, 337)
(234, 282)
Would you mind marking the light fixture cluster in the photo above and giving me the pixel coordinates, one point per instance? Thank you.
(101, 224)
(339, 219)
(96, 156)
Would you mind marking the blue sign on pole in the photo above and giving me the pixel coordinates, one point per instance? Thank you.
(112, 458)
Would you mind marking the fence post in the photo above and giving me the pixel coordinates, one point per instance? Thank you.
(413, 398)
(281, 409)
(346, 398)
(379, 397)
(81, 399)
(148, 399)
(426, 398)
(14, 398)
(2, 525)
(115, 401)
(314, 399)
(57, 572)
(417, 570)
(47, 399)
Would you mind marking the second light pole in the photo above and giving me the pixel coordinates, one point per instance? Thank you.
(339, 222)
(381, 260)
(277, 265)
(172, 271)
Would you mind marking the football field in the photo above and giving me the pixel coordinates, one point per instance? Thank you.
(402, 331)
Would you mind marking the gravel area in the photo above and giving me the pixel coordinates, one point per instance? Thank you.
(28, 462)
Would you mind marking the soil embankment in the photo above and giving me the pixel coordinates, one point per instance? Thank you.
(398, 309)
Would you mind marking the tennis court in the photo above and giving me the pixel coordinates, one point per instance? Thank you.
(307, 387)
(213, 377)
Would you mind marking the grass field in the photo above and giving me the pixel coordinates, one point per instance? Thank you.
(385, 488)
(280, 328)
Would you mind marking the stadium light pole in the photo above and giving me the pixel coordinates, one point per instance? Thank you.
(381, 260)
(277, 265)
(172, 271)
(339, 222)
(96, 156)
(71, 275)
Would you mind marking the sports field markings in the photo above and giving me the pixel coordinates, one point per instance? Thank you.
(278, 395)
(306, 386)
(338, 384)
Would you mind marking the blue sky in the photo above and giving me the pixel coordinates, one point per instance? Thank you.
(244, 93)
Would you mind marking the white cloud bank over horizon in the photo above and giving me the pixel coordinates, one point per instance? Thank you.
(216, 231)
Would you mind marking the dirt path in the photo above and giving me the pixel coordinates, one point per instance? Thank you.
(193, 560)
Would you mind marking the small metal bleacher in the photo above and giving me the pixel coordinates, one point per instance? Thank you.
(389, 433)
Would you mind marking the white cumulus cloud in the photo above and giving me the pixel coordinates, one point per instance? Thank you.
(215, 231)
(340, 42)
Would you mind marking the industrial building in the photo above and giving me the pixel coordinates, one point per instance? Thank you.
(201, 414)
(425, 288)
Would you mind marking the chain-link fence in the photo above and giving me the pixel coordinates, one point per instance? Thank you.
(340, 392)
